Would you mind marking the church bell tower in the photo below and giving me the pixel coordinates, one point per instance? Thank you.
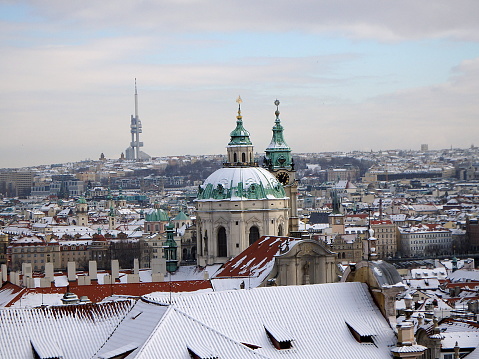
(280, 163)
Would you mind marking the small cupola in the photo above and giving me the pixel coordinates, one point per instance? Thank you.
(240, 147)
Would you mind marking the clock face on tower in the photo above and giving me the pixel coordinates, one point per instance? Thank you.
(283, 178)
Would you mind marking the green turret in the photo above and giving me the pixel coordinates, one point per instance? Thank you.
(240, 147)
(170, 249)
(278, 154)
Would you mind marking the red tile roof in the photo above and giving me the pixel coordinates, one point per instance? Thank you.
(98, 292)
(254, 259)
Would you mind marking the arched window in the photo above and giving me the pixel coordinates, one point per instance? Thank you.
(193, 252)
(185, 254)
(243, 157)
(253, 234)
(280, 230)
(235, 157)
(222, 246)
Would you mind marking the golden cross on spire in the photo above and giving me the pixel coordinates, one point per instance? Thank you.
(239, 101)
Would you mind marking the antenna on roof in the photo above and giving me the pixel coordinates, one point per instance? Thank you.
(136, 101)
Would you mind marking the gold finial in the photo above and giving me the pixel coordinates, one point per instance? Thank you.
(239, 101)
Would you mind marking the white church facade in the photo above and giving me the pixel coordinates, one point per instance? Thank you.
(241, 202)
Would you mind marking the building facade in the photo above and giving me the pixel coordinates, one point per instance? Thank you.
(238, 203)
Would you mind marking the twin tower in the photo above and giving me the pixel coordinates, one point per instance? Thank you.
(242, 201)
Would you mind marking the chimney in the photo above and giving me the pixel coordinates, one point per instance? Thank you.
(27, 270)
(49, 272)
(406, 346)
(420, 320)
(405, 333)
(4, 273)
(92, 270)
(15, 278)
(71, 271)
(84, 280)
(136, 266)
(115, 270)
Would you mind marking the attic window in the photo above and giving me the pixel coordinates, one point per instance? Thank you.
(251, 346)
(46, 349)
(280, 338)
(361, 333)
(120, 352)
(199, 351)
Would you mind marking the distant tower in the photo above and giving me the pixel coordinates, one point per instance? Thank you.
(82, 212)
(112, 219)
(133, 152)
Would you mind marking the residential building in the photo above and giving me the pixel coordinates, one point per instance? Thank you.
(425, 240)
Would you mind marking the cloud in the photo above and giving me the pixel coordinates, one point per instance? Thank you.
(370, 19)
(68, 68)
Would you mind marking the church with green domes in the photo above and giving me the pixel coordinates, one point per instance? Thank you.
(242, 201)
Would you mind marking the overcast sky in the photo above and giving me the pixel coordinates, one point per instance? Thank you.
(350, 75)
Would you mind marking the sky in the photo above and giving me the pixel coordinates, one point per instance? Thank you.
(349, 75)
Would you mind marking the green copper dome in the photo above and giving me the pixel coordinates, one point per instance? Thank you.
(181, 217)
(239, 183)
(239, 136)
(157, 215)
(278, 153)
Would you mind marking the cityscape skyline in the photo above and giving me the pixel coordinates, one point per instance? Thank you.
(348, 76)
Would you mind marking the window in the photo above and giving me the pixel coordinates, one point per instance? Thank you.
(280, 338)
(222, 243)
(253, 234)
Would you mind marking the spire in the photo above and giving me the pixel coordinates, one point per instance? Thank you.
(278, 153)
(240, 147)
(239, 101)
(239, 136)
(136, 100)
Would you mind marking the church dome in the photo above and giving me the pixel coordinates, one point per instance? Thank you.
(238, 183)
(157, 215)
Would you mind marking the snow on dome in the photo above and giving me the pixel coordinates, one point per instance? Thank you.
(240, 183)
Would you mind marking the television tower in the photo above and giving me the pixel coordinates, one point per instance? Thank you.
(136, 129)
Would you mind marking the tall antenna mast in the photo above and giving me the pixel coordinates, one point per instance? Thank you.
(136, 101)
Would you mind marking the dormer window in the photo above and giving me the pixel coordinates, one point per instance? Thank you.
(199, 351)
(279, 337)
(361, 333)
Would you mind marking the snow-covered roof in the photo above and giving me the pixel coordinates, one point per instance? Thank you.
(314, 315)
(70, 331)
(463, 275)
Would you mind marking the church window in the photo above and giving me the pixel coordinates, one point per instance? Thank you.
(222, 244)
(243, 157)
(235, 157)
(253, 234)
